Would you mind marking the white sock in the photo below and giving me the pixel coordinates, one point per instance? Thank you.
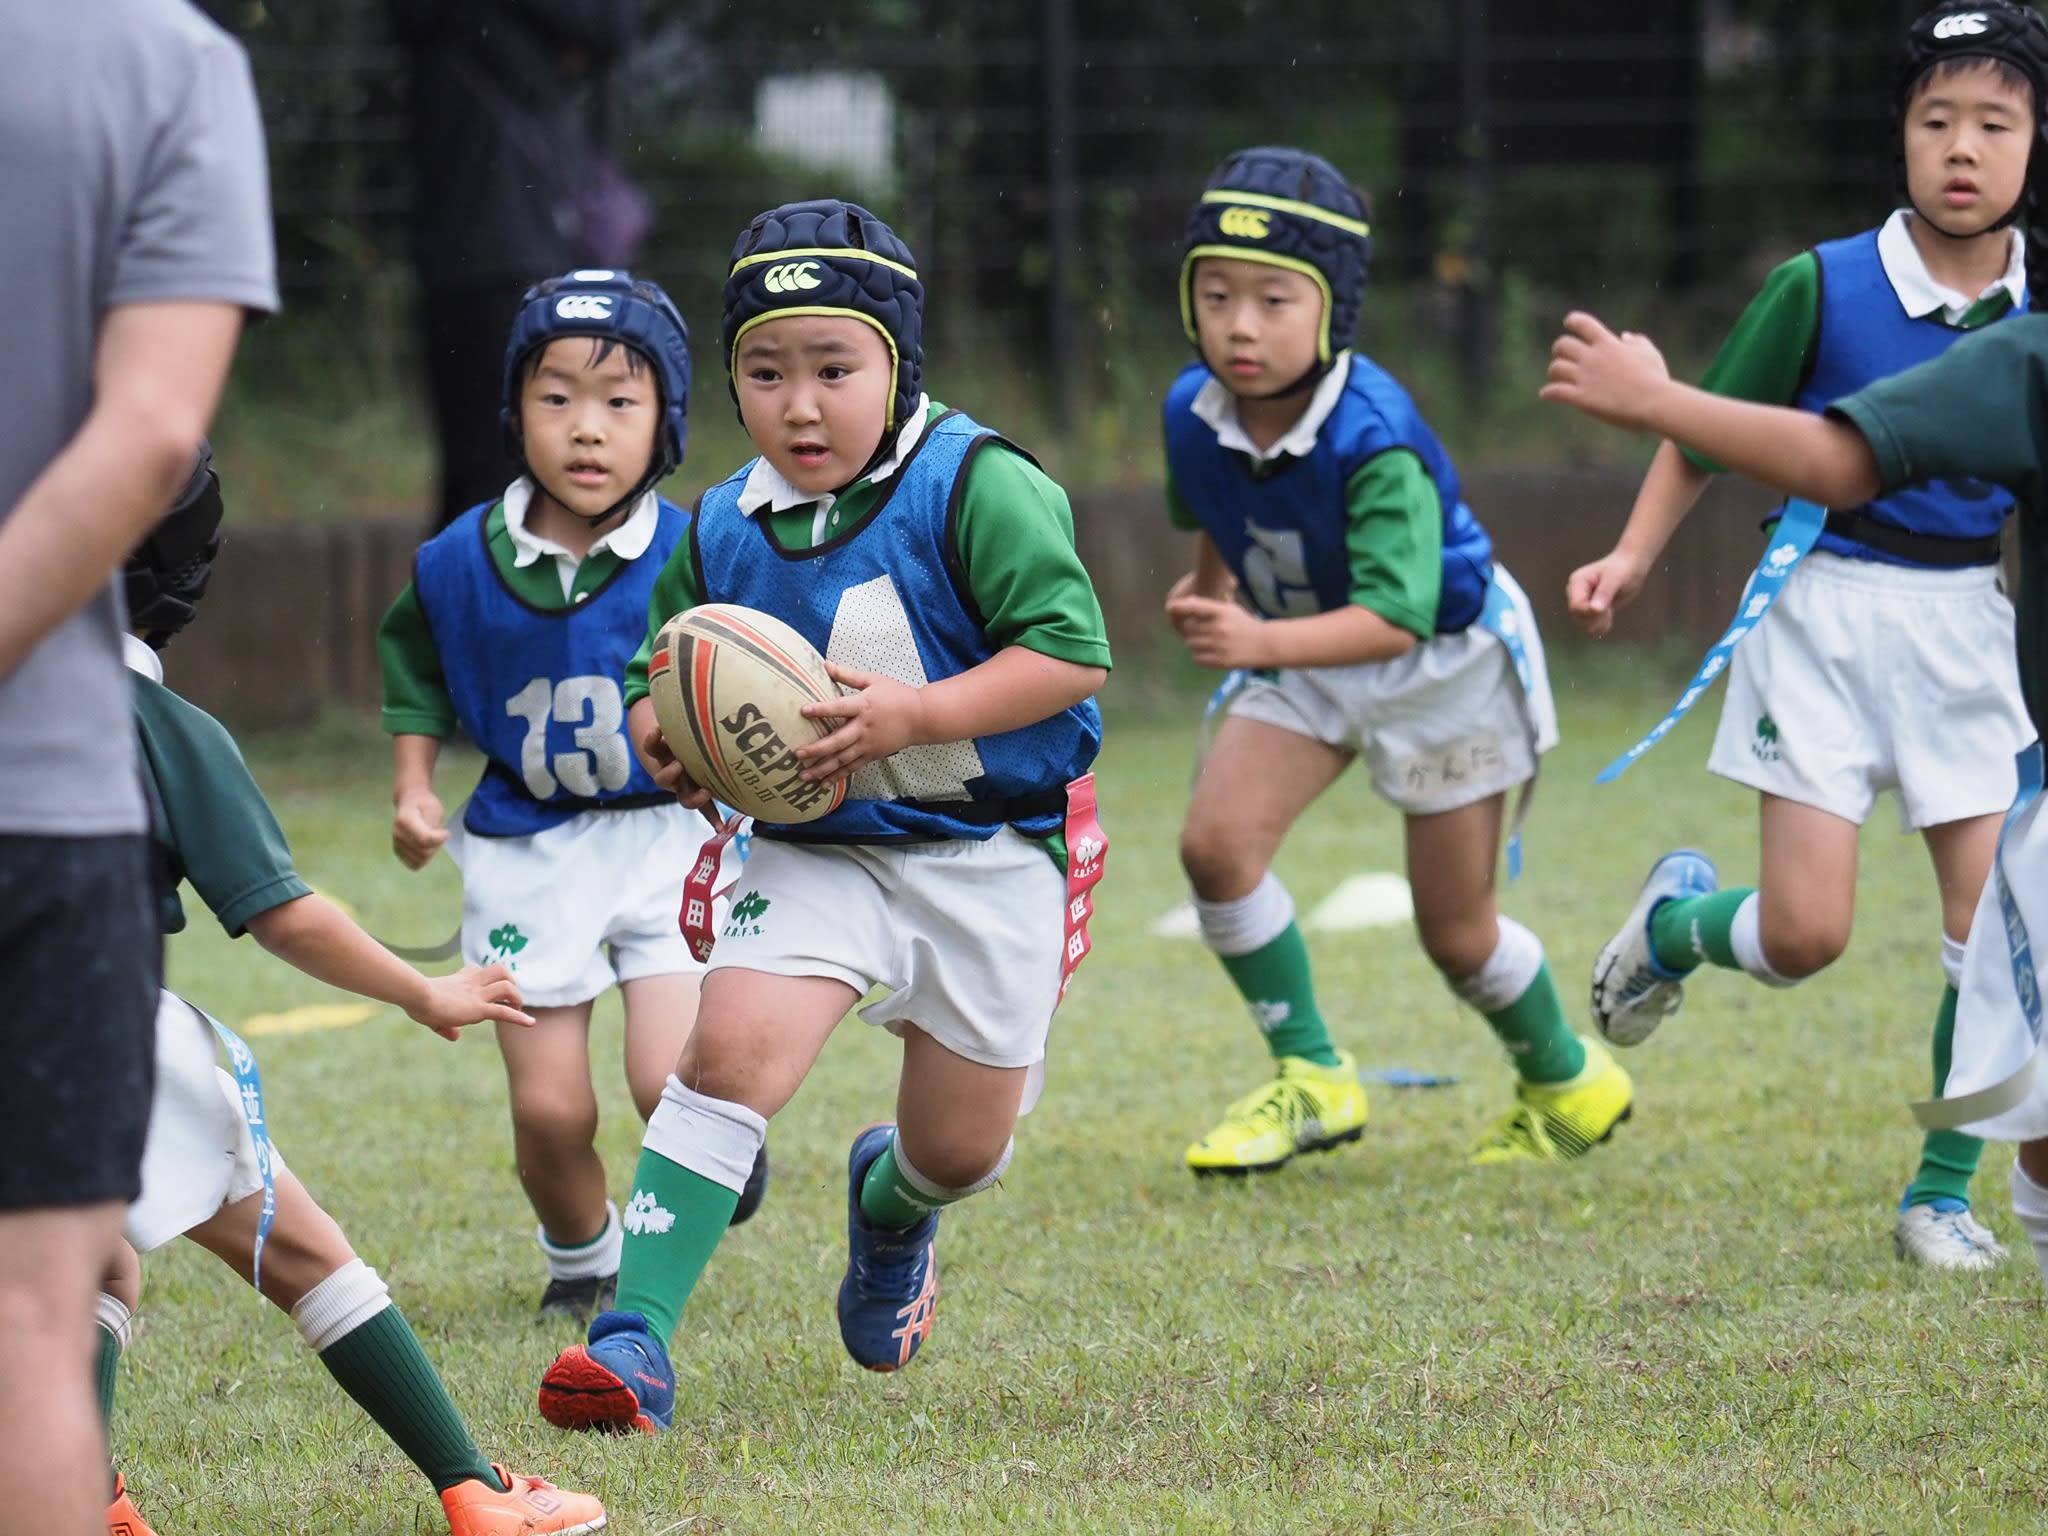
(938, 1193)
(1249, 923)
(1952, 961)
(592, 1260)
(1517, 957)
(1746, 939)
(2030, 1204)
(340, 1304)
(713, 1138)
(112, 1314)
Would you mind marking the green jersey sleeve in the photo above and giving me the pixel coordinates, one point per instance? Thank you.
(675, 589)
(1395, 540)
(1014, 539)
(1766, 357)
(1979, 410)
(212, 822)
(416, 700)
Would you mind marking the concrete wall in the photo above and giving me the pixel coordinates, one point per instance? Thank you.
(289, 626)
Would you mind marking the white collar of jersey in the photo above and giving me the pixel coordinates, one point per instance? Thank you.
(139, 657)
(1216, 405)
(767, 490)
(628, 541)
(1921, 294)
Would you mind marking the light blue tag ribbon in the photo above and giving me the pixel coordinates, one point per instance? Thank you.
(1798, 526)
(1500, 618)
(249, 1084)
(2018, 947)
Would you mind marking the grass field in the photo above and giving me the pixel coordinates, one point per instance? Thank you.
(1700, 1328)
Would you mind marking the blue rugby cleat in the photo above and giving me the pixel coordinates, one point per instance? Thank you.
(891, 1291)
(619, 1381)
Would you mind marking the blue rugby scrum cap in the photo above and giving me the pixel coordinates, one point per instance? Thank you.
(608, 306)
(830, 258)
(1291, 209)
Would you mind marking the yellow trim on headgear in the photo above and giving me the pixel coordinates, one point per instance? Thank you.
(895, 360)
(836, 251)
(1269, 258)
(1350, 226)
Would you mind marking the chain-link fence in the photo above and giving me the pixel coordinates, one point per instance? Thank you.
(1040, 157)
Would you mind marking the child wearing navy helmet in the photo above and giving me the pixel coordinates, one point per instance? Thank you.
(1887, 662)
(933, 565)
(516, 630)
(1343, 584)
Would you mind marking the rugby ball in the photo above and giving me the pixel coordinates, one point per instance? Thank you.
(727, 684)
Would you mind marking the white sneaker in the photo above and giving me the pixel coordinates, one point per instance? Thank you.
(1632, 993)
(1944, 1235)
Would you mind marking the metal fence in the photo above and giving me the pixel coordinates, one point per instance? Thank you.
(1040, 157)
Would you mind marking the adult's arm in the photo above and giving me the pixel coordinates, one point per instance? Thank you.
(158, 371)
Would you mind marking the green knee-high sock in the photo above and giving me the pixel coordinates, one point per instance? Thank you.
(890, 1201)
(1695, 928)
(382, 1366)
(1275, 980)
(1947, 1158)
(1539, 1039)
(106, 1370)
(675, 1220)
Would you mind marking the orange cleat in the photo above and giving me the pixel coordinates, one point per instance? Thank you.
(122, 1520)
(532, 1505)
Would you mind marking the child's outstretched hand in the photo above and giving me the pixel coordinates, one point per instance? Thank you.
(416, 830)
(476, 994)
(1595, 592)
(1218, 632)
(1607, 376)
(882, 716)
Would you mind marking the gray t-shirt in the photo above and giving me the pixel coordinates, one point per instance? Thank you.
(132, 156)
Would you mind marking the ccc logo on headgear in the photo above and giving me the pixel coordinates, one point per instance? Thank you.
(1245, 223)
(1969, 24)
(584, 306)
(791, 277)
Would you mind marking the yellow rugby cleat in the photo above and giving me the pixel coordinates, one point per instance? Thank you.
(1556, 1122)
(1307, 1108)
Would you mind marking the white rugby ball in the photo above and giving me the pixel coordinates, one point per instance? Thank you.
(727, 684)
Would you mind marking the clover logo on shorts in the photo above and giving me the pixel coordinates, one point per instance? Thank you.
(507, 941)
(1766, 744)
(746, 915)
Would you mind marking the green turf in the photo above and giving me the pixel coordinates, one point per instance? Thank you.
(1701, 1328)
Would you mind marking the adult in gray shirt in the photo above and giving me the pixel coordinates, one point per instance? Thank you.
(136, 235)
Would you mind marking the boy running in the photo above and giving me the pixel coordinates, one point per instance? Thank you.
(209, 1170)
(933, 565)
(1980, 409)
(1378, 624)
(516, 629)
(1884, 666)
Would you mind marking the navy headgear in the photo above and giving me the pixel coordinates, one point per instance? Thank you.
(167, 574)
(1287, 208)
(609, 306)
(830, 258)
(2002, 31)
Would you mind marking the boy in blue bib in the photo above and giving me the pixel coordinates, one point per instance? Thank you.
(1886, 661)
(516, 631)
(933, 565)
(1339, 569)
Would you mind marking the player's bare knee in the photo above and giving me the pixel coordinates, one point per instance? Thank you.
(555, 1119)
(1804, 949)
(1216, 867)
(1457, 946)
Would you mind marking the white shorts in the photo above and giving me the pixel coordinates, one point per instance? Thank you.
(1866, 677)
(1447, 725)
(966, 937)
(1992, 1040)
(200, 1154)
(551, 905)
